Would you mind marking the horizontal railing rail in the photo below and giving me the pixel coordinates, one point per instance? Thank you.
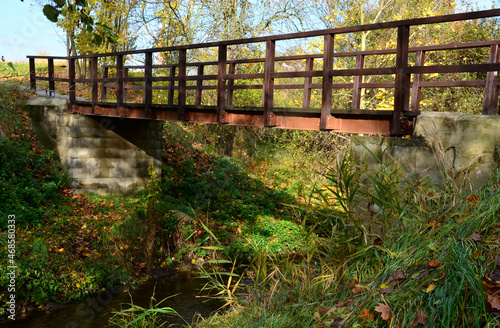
(226, 77)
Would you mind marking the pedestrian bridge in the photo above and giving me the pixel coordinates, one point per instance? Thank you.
(248, 83)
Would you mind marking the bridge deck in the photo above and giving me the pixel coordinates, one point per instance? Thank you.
(209, 91)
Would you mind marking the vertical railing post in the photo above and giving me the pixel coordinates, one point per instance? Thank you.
(93, 78)
(230, 85)
(402, 87)
(221, 84)
(181, 85)
(104, 89)
(71, 82)
(119, 86)
(199, 85)
(268, 88)
(490, 102)
(306, 103)
(358, 79)
(32, 74)
(416, 89)
(170, 100)
(52, 85)
(327, 95)
(148, 86)
(125, 85)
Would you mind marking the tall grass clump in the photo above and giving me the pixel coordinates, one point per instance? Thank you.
(394, 250)
(136, 316)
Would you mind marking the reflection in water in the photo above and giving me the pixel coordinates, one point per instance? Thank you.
(95, 311)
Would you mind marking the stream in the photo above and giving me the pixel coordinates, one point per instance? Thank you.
(95, 311)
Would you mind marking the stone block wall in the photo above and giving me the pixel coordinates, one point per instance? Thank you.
(464, 147)
(102, 155)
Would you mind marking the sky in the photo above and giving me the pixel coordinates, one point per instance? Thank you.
(24, 30)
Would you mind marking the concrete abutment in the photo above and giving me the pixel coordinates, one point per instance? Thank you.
(102, 155)
(463, 147)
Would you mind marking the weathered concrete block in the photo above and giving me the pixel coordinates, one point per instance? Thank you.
(465, 146)
(103, 155)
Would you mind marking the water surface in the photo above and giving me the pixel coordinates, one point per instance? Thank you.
(95, 311)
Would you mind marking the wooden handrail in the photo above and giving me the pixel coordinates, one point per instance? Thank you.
(227, 73)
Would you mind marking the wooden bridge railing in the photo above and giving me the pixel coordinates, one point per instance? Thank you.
(396, 122)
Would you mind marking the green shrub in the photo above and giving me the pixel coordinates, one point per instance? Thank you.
(29, 181)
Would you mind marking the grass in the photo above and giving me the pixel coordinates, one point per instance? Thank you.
(430, 266)
(137, 316)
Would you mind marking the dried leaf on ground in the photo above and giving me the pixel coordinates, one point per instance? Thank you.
(473, 199)
(420, 318)
(322, 309)
(340, 304)
(422, 274)
(433, 223)
(367, 315)
(494, 302)
(495, 277)
(384, 310)
(398, 275)
(430, 288)
(387, 290)
(338, 323)
(432, 264)
(475, 236)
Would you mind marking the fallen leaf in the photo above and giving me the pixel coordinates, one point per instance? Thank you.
(475, 236)
(367, 315)
(494, 302)
(337, 322)
(433, 264)
(420, 318)
(387, 290)
(322, 309)
(430, 288)
(383, 286)
(384, 310)
(357, 289)
(495, 277)
(398, 325)
(433, 223)
(432, 247)
(423, 274)
(489, 286)
(398, 275)
(473, 198)
(349, 302)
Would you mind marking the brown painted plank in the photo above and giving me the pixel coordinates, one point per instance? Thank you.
(221, 85)
(268, 89)
(326, 98)
(358, 79)
(490, 104)
(402, 87)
